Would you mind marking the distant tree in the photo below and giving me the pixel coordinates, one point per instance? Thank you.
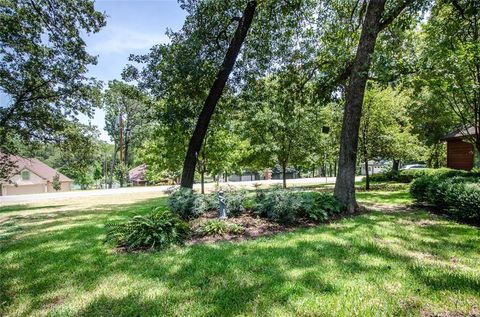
(126, 114)
(78, 156)
(56, 184)
(280, 119)
(385, 129)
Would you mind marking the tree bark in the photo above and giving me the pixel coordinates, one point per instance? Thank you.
(345, 184)
(214, 95)
(284, 174)
(395, 166)
(202, 177)
(112, 165)
(367, 175)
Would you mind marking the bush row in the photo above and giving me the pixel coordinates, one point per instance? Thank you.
(163, 228)
(407, 176)
(287, 207)
(278, 205)
(458, 196)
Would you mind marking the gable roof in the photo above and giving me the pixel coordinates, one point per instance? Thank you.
(459, 134)
(138, 173)
(38, 167)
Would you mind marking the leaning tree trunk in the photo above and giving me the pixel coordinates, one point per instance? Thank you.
(214, 95)
(345, 183)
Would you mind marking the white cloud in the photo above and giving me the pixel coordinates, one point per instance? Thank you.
(121, 40)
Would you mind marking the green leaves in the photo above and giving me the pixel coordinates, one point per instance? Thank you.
(157, 230)
(43, 62)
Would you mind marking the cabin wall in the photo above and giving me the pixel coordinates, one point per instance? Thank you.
(459, 155)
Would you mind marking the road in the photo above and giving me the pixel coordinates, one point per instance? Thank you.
(156, 189)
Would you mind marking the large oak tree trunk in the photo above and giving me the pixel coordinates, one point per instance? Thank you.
(214, 95)
(345, 183)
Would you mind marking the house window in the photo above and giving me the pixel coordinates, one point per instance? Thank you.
(25, 175)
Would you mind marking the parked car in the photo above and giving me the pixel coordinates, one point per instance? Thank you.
(414, 166)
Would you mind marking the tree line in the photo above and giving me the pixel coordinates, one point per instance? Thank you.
(248, 85)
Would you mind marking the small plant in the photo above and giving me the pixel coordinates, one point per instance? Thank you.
(219, 227)
(157, 230)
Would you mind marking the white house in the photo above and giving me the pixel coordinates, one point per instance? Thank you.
(373, 168)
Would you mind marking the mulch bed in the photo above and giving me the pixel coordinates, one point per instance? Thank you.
(254, 227)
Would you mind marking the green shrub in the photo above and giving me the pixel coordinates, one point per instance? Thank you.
(189, 204)
(462, 200)
(182, 202)
(418, 189)
(380, 177)
(286, 207)
(458, 196)
(154, 231)
(218, 227)
(278, 205)
(319, 206)
(235, 202)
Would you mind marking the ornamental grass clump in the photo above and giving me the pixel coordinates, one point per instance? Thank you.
(158, 230)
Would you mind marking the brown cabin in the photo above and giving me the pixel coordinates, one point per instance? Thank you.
(460, 154)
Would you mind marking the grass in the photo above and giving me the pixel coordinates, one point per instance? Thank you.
(385, 197)
(379, 264)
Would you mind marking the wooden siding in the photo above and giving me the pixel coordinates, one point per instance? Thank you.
(459, 155)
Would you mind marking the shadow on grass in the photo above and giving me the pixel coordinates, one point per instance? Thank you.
(24, 207)
(63, 267)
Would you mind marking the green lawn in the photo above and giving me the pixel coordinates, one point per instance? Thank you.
(385, 197)
(54, 262)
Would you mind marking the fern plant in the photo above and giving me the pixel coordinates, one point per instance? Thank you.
(157, 230)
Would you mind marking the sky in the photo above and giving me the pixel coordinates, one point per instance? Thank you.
(133, 27)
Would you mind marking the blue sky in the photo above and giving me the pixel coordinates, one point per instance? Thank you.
(133, 26)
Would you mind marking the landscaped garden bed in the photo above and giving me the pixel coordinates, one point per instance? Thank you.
(193, 218)
(249, 224)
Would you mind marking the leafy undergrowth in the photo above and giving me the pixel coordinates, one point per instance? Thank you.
(377, 264)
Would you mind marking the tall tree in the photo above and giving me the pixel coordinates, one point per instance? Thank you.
(450, 56)
(214, 95)
(126, 112)
(385, 128)
(43, 65)
(376, 19)
(281, 121)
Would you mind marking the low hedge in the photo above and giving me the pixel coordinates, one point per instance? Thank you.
(407, 176)
(458, 196)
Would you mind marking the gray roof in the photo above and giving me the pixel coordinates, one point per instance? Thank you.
(460, 133)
